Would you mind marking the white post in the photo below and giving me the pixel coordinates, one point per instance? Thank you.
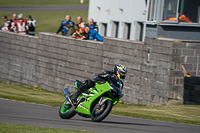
(81, 1)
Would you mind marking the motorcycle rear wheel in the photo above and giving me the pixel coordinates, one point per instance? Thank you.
(98, 114)
(66, 111)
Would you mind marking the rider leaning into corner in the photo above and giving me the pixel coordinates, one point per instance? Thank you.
(116, 76)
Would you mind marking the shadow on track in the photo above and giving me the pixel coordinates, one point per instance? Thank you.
(122, 123)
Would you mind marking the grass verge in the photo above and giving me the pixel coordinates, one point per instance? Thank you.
(30, 94)
(9, 128)
(189, 114)
(48, 21)
(41, 2)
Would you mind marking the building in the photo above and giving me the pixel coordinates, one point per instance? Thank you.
(120, 19)
(137, 19)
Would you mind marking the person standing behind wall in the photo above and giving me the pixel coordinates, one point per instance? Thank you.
(79, 33)
(31, 25)
(21, 25)
(70, 29)
(81, 24)
(63, 24)
(93, 35)
(12, 23)
(86, 35)
(92, 25)
(6, 24)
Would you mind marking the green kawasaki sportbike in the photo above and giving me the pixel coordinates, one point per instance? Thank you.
(95, 103)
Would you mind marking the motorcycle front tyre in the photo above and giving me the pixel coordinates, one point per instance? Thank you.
(66, 111)
(104, 114)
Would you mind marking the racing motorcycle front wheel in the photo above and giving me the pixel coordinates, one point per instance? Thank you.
(101, 111)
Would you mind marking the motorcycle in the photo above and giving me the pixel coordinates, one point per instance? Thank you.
(95, 103)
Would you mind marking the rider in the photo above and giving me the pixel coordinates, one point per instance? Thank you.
(118, 74)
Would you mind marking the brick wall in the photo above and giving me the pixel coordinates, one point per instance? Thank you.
(184, 53)
(63, 60)
(52, 62)
(18, 58)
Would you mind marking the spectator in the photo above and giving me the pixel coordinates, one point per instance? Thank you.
(12, 23)
(63, 25)
(93, 34)
(31, 25)
(86, 35)
(92, 25)
(21, 25)
(70, 29)
(79, 31)
(6, 25)
(81, 24)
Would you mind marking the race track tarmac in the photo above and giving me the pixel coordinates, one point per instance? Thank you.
(43, 8)
(15, 112)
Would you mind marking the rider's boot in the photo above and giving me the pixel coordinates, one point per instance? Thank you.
(83, 87)
(74, 97)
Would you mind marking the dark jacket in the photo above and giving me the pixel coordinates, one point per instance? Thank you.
(63, 28)
(110, 77)
(94, 27)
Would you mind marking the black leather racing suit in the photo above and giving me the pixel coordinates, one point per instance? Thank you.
(108, 76)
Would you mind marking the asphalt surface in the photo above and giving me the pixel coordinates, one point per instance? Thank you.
(43, 8)
(15, 112)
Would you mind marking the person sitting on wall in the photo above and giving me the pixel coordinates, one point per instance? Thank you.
(92, 25)
(93, 35)
(21, 25)
(6, 25)
(81, 24)
(79, 31)
(63, 25)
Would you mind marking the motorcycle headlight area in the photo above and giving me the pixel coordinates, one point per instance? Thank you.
(120, 93)
(117, 91)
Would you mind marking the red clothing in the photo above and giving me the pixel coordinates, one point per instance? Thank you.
(21, 26)
(80, 33)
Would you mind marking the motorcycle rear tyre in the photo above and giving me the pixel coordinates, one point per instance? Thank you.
(68, 114)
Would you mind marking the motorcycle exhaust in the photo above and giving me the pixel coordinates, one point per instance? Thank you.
(66, 92)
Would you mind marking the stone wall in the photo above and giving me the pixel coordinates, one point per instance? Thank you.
(52, 62)
(184, 53)
(63, 60)
(18, 58)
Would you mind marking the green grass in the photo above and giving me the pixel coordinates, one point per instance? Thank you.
(10, 128)
(189, 114)
(41, 2)
(48, 21)
(30, 94)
